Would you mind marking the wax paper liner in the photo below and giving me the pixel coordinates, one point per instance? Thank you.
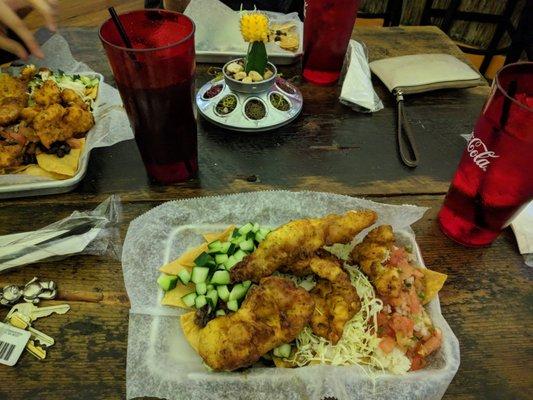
(111, 121)
(218, 28)
(161, 363)
(94, 232)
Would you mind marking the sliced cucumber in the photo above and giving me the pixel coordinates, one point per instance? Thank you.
(201, 288)
(213, 296)
(200, 301)
(247, 245)
(250, 235)
(259, 237)
(223, 292)
(263, 231)
(219, 313)
(214, 247)
(239, 255)
(224, 247)
(220, 278)
(232, 305)
(168, 282)
(189, 299)
(203, 260)
(243, 230)
(231, 262)
(283, 351)
(238, 292)
(238, 239)
(185, 276)
(247, 284)
(199, 274)
(255, 227)
(210, 287)
(221, 258)
(231, 249)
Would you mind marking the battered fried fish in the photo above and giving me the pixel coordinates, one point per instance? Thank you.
(335, 304)
(299, 239)
(70, 98)
(13, 98)
(322, 263)
(56, 123)
(48, 94)
(273, 313)
(78, 120)
(29, 113)
(10, 154)
(371, 253)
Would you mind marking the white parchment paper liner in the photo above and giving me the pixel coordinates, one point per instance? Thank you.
(218, 28)
(160, 362)
(111, 121)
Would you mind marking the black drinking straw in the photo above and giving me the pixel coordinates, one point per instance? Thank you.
(120, 27)
(122, 33)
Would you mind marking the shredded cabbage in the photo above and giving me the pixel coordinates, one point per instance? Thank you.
(359, 340)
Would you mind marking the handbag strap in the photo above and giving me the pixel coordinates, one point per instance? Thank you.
(406, 141)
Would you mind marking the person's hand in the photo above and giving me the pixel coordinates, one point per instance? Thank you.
(10, 12)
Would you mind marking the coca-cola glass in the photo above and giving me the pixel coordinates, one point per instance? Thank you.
(328, 28)
(495, 176)
(155, 79)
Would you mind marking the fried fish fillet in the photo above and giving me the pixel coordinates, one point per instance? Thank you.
(322, 263)
(335, 304)
(299, 239)
(273, 313)
(10, 154)
(13, 98)
(371, 253)
(48, 94)
(49, 125)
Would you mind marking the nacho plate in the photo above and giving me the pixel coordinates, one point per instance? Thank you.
(161, 362)
(55, 186)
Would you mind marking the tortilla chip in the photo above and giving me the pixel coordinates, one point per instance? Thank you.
(18, 170)
(434, 282)
(67, 165)
(173, 297)
(222, 236)
(35, 170)
(186, 260)
(190, 329)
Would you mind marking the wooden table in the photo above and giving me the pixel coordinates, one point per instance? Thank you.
(487, 299)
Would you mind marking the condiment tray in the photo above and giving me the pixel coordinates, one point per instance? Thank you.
(241, 116)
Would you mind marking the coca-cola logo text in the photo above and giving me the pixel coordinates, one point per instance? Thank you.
(479, 153)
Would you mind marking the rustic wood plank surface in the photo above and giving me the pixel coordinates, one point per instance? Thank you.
(487, 300)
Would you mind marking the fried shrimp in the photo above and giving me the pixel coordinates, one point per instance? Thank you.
(371, 253)
(299, 239)
(335, 304)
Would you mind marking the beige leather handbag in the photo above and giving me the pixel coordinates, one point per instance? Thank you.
(416, 74)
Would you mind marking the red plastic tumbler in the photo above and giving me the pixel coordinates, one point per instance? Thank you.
(328, 27)
(155, 78)
(495, 176)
